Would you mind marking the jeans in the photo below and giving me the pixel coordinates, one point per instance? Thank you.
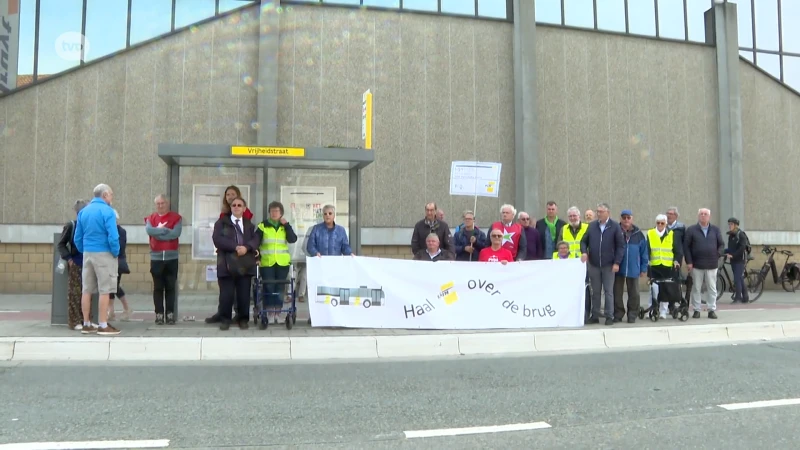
(709, 278)
(165, 280)
(740, 290)
(272, 291)
(602, 281)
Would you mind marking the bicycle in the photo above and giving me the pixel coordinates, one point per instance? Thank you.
(725, 281)
(789, 277)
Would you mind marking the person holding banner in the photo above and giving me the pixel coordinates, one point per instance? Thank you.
(432, 251)
(469, 240)
(431, 224)
(496, 252)
(327, 238)
(513, 237)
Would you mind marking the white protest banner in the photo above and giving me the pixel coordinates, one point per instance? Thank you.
(363, 292)
(473, 178)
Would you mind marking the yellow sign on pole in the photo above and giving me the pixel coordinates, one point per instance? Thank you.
(269, 152)
(366, 119)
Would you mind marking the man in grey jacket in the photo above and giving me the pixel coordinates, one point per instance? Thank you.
(603, 246)
(703, 246)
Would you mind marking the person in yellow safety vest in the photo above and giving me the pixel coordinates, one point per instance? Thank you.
(276, 234)
(563, 251)
(572, 232)
(666, 253)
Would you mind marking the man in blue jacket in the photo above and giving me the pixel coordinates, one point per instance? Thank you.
(603, 246)
(327, 238)
(634, 264)
(96, 236)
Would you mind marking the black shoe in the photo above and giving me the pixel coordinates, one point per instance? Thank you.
(159, 319)
(244, 324)
(631, 319)
(213, 319)
(712, 315)
(236, 319)
(696, 315)
(609, 321)
(224, 325)
(591, 321)
(170, 318)
(616, 319)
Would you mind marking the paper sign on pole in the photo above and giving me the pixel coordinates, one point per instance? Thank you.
(474, 178)
(364, 292)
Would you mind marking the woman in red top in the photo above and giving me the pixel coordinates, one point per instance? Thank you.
(496, 252)
(232, 192)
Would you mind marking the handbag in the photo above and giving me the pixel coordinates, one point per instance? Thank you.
(240, 265)
(122, 266)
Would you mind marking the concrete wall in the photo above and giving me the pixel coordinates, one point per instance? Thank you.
(771, 146)
(628, 121)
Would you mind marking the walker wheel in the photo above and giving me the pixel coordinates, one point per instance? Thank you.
(262, 326)
(675, 313)
(641, 313)
(684, 317)
(654, 317)
(289, 322)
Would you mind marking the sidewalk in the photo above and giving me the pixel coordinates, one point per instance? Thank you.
(26, 334)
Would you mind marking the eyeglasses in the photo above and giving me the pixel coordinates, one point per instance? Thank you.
(524, 219)
(661, 223)
(328, 213)
(238, 205)
(497, 236)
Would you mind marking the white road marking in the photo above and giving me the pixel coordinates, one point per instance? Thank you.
(153, 443)
(761, 404)
(8, 311)
(476, 430)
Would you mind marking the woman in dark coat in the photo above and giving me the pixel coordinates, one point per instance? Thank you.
(237, 247)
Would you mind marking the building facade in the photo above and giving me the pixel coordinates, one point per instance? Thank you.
(578, 116)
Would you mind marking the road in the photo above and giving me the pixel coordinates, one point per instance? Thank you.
(664, 399)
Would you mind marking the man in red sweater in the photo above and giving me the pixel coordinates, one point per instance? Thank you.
(164, 228)
(513, 236)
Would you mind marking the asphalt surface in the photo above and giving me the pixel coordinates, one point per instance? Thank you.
(664, 399)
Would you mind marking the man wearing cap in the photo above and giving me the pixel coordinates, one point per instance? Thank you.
(736, 252)
(634, 264)
(703, 247)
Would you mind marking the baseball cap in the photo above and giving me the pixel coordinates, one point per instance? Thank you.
(626, 212)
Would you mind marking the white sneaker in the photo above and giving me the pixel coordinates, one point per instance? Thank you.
(78, 327)
(126, 316)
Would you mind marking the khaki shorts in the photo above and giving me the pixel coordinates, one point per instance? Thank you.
(99, 273)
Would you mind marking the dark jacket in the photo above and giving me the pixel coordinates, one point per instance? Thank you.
(423, 229)
(461, 240)
(703, 251)
(224, 237)
(122, 259)
(679, 236)
(444, 255)
(541, 227)
(637, 256)
(328, 241)
(737, 246)
(604, 248)
(66, 246)
(533, 239)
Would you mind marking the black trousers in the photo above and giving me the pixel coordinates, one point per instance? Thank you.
(235, 290)
(165, 280)
(634, 300)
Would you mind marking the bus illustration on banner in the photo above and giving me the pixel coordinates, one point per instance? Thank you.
(360, 296)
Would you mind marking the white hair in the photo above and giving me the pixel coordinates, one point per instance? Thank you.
(328, 208)
(511, 207)
(704, 209)
(661, 218)
(161, 197)
(101, 189)
(574, 209)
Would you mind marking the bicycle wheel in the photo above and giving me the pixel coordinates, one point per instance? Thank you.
(755, 285)
(790, 285)
(722, 286)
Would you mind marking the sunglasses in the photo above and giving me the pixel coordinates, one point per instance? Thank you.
(661, 223)
(328, 213)
(497, 236)
(237, 205)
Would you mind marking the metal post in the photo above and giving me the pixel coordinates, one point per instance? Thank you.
(354, 207)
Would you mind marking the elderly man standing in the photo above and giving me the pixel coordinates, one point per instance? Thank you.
(679, 231)
(532, 238)
(603, 246)
(703, 246)
(164, 228)
(634, 264)
(431, 225)
(573, 231)
(432, 251)
(328, 238)
(96, 236)
(469, 240)
(513, 237)
(549, 227)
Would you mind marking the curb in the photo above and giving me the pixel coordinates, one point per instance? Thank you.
(378, 347)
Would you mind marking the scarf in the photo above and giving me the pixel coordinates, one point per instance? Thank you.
(552, 227)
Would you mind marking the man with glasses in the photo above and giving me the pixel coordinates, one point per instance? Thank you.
(603, 246)
(532, 238)
(496, 252)
(572, 232)
(431, 224)
(513, 238)
(328, 238)
(469, 240)
(634, 264)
